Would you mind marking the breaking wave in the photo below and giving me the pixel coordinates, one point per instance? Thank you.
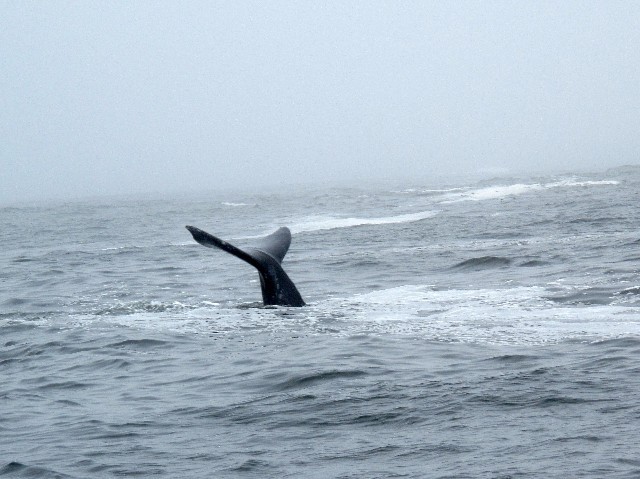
(329, 223)
(495, 192)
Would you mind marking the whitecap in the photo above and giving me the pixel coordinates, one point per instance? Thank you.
(317, 223)
(502, 191)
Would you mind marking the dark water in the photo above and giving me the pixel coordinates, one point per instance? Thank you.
(465, 330)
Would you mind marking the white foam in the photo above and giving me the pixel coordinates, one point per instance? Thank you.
(228, 203)
(428, 191)
(585, 183)
(491, 192)
(516, 316)
(520, 315)
(495, 192)
(317, 223)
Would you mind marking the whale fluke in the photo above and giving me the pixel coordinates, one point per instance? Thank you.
(266, 257)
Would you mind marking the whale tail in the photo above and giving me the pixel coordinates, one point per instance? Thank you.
(266, 257)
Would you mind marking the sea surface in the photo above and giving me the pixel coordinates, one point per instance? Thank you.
(462, 329)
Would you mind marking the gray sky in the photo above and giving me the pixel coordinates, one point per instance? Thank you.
(124, 97)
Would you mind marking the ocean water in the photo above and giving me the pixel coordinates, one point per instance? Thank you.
(465, 329)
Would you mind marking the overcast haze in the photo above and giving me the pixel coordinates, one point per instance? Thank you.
(127, 97)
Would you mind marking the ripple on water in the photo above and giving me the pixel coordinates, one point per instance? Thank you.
(17, 469)
(306, 380)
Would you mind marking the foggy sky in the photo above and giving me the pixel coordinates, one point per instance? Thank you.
(126, 97)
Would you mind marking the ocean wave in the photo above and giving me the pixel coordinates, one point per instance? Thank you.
(18, 469)
(328, 223)
(429, 191)
(599, 295)
(301, 381)
(483, 262)
(502, 191)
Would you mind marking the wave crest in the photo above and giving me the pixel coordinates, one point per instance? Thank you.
(501, 191)
(483, 262)
(329, 223)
